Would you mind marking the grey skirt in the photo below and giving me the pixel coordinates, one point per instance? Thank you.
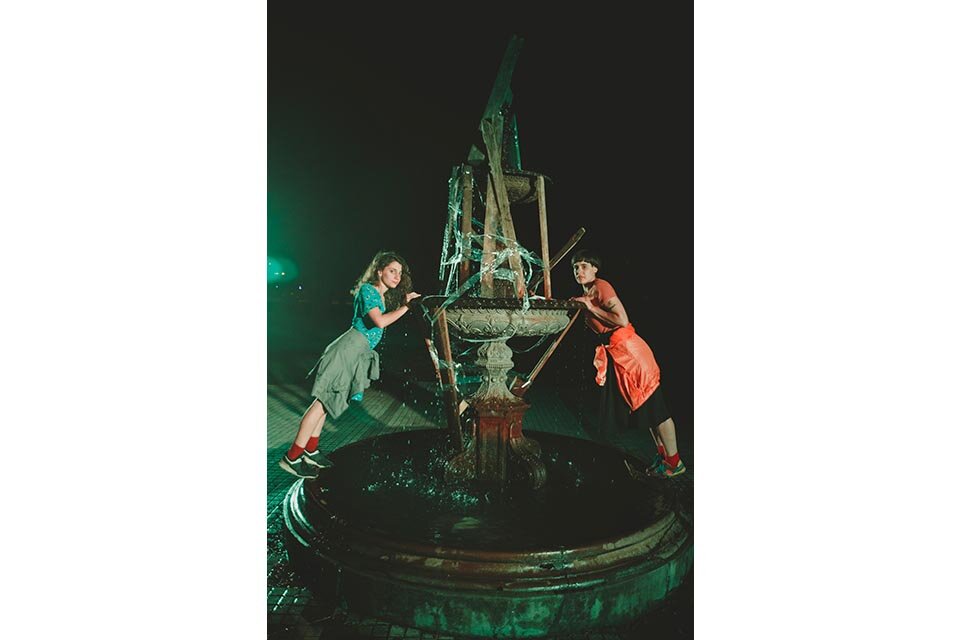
(347, 366)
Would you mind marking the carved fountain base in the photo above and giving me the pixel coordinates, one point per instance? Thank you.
(499, 452)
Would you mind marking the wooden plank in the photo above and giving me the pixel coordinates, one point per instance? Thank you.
(435, 359)
(492, 136)
(466, 228)
(544, 240)
(521, 388)
(451, 402)
(491, 228)
(574, 239)
(501, 84)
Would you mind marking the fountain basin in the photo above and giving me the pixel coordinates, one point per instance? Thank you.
(503, 318)
(384, 532)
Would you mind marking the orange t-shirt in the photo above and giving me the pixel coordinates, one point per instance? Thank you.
(635, 369)
(601, 294)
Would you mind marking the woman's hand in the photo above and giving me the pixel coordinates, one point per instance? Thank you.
(411, 296)
(587, 302)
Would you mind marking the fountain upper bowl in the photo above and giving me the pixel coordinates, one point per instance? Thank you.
(504, 317)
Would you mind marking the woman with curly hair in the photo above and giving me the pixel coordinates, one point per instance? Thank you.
(349, 363)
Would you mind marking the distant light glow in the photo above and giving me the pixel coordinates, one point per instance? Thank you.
(281, 270)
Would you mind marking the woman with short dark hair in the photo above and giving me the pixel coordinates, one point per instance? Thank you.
(632, 395)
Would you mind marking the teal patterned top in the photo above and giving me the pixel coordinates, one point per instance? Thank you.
(367, 298)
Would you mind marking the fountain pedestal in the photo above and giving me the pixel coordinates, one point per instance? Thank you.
(499, 452)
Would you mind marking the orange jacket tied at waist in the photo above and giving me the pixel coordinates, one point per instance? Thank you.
(636, 371)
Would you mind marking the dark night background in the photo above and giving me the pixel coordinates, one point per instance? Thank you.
(366, 121)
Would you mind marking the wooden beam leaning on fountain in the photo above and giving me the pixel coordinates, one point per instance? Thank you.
(499, 221)
(520, 384)
(555, 260)
(446, 373)
(451, 403)
(498, 231)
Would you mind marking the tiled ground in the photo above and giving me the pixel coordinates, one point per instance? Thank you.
(388, 406)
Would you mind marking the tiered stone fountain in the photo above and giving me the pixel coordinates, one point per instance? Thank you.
(490, 533)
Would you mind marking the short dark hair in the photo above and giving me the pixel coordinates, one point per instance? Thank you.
(585, 255)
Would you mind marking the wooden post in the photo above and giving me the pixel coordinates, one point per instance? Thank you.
(519, 388)
(466, 228)
(557, 258)
(492, 134)
(491, 228)
(544, 241)
(451, 403)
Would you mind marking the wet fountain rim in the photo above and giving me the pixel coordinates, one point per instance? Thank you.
(484, 594)
(366, 537)
(522, 572)
(606, 544)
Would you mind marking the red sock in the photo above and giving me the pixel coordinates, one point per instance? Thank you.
(294, 452)
(312, 444)
(661, 451)
(673, 460)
